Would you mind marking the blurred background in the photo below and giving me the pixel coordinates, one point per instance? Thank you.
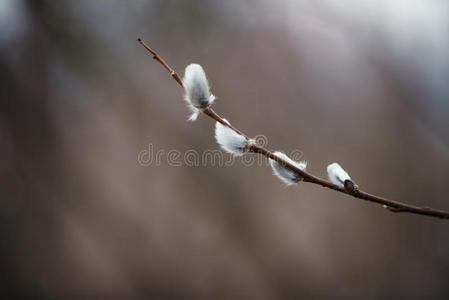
(361, 82)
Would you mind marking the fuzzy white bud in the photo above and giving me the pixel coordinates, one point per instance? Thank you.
(229, 140)
(337, 175)
(287, 175)
(197, 90)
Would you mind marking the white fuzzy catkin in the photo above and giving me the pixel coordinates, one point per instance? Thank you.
(229, 140)
(337, 175)
(287, 175)
(197, 90)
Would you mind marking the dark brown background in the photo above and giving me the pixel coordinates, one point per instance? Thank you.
(364, 83)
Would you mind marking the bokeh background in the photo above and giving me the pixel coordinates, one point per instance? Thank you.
(361, 82)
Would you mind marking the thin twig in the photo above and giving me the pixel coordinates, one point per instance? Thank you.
(161, 61)
(391, 205)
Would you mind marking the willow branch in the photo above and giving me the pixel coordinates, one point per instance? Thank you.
(350, 188)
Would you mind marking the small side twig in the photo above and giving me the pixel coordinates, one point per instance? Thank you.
(350, 188)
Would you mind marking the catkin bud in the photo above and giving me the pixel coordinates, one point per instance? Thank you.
(337, 175)
(231, 141)
(197, 90)
(287, 175)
